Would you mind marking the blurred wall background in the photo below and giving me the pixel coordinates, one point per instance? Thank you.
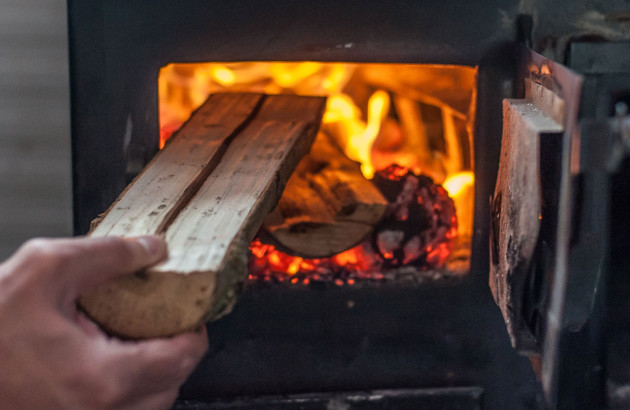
(35, 174)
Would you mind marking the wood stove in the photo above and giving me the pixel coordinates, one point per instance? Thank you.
(408, 342)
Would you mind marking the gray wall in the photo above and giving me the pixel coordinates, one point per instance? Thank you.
(35, 176)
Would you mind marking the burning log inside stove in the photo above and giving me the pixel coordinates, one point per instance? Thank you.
(418, 231)
(327, 207)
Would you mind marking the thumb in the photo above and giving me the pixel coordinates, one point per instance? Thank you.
(79, 264)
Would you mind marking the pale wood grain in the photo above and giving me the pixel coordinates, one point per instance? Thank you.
(546, 100)
(208, 238)
(243, 187)
(151, 202)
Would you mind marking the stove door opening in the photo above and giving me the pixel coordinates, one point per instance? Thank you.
(387, 191)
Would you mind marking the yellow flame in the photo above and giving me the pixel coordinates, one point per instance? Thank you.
(288, 75)
(340, 108)
(359, 147)
(461, 188)
(455, 184)
(336, 77)
(183, 87)
(358, 135)
(294, 267)
(223, 75)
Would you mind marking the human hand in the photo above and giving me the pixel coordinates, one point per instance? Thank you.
(52, 356)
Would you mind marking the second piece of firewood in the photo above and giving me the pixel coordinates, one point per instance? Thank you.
(207, 192)
(517, 204)
(327, 207)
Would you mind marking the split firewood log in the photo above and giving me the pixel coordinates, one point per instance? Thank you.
(327, 207)
(208, 192)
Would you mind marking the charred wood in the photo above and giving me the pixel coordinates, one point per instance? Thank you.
(420, 223)
(327, 207)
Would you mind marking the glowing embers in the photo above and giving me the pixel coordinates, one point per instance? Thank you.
(420, 224)
(414, 240)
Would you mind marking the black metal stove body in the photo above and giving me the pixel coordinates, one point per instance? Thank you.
(282, 340)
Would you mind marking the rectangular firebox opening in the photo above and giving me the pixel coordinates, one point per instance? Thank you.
(387, 192)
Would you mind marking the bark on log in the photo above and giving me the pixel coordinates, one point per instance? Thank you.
(207, 192)
(327, 207)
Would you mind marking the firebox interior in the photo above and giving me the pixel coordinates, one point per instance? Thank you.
(401, 122)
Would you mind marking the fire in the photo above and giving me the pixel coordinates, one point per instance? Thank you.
(428, 247)
(359, 136)
(455, 184)
(279, 266)
(461, 187)
(223, 76)
(379, 114)
(359, 146)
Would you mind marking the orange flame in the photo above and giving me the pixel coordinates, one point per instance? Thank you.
(362, 116)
